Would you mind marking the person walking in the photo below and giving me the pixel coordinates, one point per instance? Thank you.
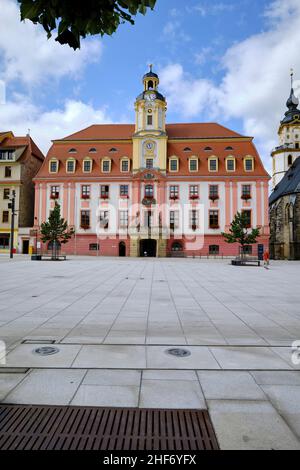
(266, 259)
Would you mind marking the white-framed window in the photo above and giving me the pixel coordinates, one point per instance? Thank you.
(71, 166)
(213, 164)
(174, 220)
(53, 166)
(249, 164)
(230, 164)
(54, 192)
(87, 165)
(193, 164)
(174, 164)
(194, 191)
(123, 219)
(106, 165)
(194, 219)
(7, 155)
(125, 165)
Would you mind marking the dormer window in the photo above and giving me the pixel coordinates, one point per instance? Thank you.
(230, 164)
(249, 164)
(6, 155)
(213, 164)
(53, 166)
(106, 165)
(71, 165)
(125, 165)
(193, 164)
(87, 165)
(174, 164)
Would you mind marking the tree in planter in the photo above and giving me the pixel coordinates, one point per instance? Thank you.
(56, 230)
(239, 232)
(75, 19)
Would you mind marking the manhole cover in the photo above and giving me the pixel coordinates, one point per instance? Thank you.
(178, 352)
(46, 350)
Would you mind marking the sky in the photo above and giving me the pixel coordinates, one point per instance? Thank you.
(225, 61)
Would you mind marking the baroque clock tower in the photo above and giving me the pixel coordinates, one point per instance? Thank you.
(150, 138)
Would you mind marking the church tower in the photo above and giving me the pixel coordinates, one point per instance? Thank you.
(150, 138)
(289, 139)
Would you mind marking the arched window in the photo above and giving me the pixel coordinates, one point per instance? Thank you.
(177, 246)
(214, 249)
(72, 150)
(208, 149)
(187, 149)
(229, 148)
(113, 150)
(290, 160)
(93, 150)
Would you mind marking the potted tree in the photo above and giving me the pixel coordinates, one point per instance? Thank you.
(56, 230)
(239, 232)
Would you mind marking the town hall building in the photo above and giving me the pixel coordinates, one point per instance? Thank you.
(153, 188)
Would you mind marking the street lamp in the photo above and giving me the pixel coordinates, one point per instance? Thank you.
(11, 205)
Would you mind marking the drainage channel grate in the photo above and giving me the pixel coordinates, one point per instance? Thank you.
(29, 427)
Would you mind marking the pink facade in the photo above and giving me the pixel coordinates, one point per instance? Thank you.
(153, 188)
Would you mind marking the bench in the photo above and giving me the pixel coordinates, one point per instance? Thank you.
(246, 261)
(58, 257)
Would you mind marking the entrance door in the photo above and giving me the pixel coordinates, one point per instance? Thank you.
(148, 248)
(122, 249)
(25, 247)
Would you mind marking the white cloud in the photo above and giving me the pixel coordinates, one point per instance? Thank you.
(20, 115)
(205, 8)
(173, 32)
(255, 84)
(201, 57)
(27, 55)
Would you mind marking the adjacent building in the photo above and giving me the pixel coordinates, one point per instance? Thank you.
(285, 216)
(20, 160)
(288, 150)
(153, 188)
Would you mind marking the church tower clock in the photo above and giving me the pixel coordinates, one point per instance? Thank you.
(150, 138)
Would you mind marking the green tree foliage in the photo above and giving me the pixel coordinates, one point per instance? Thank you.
(55, 230)
(75, 19)
(239, 232)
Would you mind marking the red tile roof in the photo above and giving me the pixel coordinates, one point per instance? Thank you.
(174, 131)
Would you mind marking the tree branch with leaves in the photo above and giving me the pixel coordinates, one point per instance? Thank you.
(75, 19)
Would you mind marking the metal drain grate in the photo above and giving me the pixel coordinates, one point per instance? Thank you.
(178, 352)
(46, 350)
(71, 428)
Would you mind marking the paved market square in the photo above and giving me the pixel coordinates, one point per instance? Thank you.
(113, 321)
